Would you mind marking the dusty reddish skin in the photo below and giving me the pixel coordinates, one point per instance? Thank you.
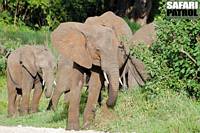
(89, 41)
(109, 19)
(145, 35)
(86, 45)
(23, 66)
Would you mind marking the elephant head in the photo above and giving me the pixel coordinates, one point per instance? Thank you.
(89, 45)
(39, 60)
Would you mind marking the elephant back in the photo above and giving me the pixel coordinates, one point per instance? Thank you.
(109, 19)
(146, 35)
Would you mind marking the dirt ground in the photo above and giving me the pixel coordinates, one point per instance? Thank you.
(20, 129)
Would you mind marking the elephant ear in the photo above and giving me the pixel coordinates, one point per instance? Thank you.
(27, 60)
(72, 45)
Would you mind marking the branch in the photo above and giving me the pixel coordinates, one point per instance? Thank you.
(187, 54)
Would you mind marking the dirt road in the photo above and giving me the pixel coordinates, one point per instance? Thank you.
(20, 129)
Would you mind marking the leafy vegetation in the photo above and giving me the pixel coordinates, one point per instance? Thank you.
(38, 13)
(178, 47)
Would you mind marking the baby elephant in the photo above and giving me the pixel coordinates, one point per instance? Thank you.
(29, 67)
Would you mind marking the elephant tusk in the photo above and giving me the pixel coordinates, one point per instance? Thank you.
(54, 82)
(43, 83)
(106, 78)
(120, 81)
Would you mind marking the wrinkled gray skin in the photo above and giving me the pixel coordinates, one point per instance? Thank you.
(29, 67)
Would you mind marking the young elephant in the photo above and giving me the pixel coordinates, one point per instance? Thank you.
(29, 67)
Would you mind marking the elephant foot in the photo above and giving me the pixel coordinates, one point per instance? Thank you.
(73, 126)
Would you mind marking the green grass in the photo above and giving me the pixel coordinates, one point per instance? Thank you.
(22, 34)
(168, 112)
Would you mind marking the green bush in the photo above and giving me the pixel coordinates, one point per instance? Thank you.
(178, 46)
(162, 79)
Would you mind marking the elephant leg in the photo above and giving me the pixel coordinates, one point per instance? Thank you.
(95, 84)
(12, 95)
(75, 94)
(27, 84)
(36, 97)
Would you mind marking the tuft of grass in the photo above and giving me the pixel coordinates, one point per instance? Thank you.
(168, 112)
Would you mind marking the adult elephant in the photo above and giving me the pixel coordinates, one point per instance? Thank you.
(122, 31)
(118, 24)
(92, 48)
(29, 67)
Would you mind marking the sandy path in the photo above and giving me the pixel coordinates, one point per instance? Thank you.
(20, 129)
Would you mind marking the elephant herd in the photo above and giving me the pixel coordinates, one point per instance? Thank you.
(96, 49)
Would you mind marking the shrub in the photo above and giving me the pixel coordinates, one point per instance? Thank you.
(178, 46)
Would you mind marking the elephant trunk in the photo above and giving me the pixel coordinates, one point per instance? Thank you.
(113, 75)
(48, 78)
